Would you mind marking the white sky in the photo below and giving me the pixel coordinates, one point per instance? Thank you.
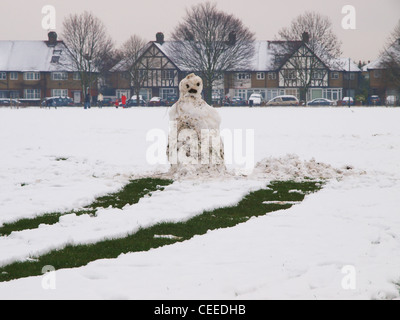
(375, 19)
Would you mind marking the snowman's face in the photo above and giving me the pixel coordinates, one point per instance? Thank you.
(192, 85)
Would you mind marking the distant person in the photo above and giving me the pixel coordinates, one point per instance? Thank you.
(123, 100)
(117, 103)
(100, 99)
(87, 101)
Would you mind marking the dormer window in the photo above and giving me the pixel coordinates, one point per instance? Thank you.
(55, 59)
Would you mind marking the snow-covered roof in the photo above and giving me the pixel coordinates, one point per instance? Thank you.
(167, 49)
(344, 64)
(393, 51)
(264, 59)
(23, 56)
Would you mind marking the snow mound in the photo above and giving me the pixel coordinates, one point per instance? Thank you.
(291, 167)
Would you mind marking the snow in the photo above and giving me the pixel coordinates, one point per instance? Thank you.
(65, 158)
(35, 56)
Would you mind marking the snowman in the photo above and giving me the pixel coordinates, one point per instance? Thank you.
(195, 147)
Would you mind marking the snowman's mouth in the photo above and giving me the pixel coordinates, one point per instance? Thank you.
(192, 91)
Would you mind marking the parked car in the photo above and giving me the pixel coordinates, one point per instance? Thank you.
(256, 99)
(374, 101)
(171, 100)
(108, 102)
(58, 102)
(9, 102)
(347, 100)
(238, 101)
(321, 102)
(392, 101)
(285, 100)
(132, 102)
(156, 102)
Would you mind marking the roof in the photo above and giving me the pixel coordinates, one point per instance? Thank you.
(344, 64)
(393, 51)
(23, 56)
(265, 59)
(166, 49)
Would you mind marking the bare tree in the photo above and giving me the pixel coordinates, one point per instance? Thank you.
(391, 58)
(212, 42)
(322, 40)
(133, 64)
(87, 40)
(310, 61)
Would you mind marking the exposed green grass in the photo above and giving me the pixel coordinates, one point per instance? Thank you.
(128, 195)
(250, 206)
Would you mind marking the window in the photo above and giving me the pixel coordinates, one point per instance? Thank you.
(271, 75)
(55, 59)
(349, 76)
(59, 76)
(166, 92)
(59, 92)
(243, 76)
(377, 73)
(3, 76)
(167, 74)
(13, 75)
(317, 75)
(335, 75)
(290, 74)
(260, 75)
(77, 76)
(31, 76)
(32, 94)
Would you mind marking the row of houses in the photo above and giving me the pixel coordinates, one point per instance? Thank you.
(33, 70)
(269, 73)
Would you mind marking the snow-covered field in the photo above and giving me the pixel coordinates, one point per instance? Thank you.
(340, 243)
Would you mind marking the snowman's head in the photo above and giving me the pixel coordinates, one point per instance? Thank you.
(192, 86)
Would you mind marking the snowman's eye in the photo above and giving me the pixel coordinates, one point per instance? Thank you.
(198, 84)
(187, 86)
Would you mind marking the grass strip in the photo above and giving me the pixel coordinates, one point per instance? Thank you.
(128, 195)
(145, 239)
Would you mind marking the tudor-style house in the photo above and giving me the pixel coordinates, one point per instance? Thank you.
(277, 68)
(33, 70)
(287, 68)
(160, 75)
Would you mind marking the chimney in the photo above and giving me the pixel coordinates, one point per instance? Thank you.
(52, 39)
(160, 37)
(188, 35)
(232, 38)
(306, 37)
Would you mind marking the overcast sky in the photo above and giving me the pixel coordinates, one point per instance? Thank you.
(375, 19)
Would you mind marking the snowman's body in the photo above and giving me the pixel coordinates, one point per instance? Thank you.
(196, 141)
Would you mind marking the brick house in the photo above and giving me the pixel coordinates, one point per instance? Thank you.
(377, 74)
(33, 70)
(270, 73)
